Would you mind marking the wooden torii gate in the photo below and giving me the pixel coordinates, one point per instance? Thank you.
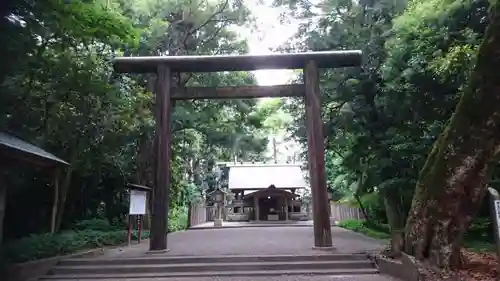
(164, 66)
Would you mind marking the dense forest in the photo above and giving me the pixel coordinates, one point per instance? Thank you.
(59, 92)
(412, 137)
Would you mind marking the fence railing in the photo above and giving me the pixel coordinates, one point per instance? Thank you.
(200, 213)
(340, 212)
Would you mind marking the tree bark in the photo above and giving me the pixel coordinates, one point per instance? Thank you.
(362, 207)
(396, 219)
(55, 203)
(64, 189)
(452, 183)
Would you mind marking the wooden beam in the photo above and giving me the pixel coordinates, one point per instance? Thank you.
(316, 155)
(162, 169)
(241, 92)
(327, 59)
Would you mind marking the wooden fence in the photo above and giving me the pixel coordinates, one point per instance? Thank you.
(340, 212)
(200, 213)
(211, 211)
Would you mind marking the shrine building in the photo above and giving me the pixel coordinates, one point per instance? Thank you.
(266, 192)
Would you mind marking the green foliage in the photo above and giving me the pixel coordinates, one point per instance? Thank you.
(382, 120)
(478, 238)
(38, 246)
(354, 225)
(95, 225)
(58, 91)
(374, 207)
(365, 228)
(177, 219)
(481, 229)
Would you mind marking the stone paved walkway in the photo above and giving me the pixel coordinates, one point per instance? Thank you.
(253, 241)
(256, 241)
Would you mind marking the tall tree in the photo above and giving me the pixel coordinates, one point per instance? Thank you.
(452, 183)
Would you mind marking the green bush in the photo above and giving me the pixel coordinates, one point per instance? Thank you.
(481, 229)
(95, 224)
(38, 246)
(86, 234)
(354, 225)
(477, 238)
(366, 228)
(177, 219)
(374, 207)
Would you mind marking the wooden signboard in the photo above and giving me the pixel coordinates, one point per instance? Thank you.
(137, 208)
(137, 202)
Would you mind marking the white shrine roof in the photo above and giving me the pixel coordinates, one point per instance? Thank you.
(260, 176)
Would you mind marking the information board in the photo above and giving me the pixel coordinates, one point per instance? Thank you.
(137, 202)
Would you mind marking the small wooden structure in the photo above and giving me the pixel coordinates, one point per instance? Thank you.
(13, 148)
(166, 93)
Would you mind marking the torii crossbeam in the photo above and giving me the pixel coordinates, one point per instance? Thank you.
(165, 93)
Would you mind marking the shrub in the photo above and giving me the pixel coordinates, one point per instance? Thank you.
(481, 229)
(366, 228)
(354, 225)
(95, 224)
(46, 245)
(86, 234)
(177, 219)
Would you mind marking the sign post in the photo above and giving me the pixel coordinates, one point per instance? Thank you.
(137, 208)
(495, 216)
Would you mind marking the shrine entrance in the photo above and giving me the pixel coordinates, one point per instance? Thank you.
(166, 93)
(269, 209)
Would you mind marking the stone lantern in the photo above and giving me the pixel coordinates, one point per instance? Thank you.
(218, 196)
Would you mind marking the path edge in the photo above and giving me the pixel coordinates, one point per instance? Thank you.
(405, 269)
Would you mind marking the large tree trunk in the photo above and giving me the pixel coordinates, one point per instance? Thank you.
(64, 189)
(55, 203)
(452, 183)
(396, 219)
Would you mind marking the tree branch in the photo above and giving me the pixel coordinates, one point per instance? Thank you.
(210, 19)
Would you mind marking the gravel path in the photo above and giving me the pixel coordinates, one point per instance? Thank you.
(253, 241)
